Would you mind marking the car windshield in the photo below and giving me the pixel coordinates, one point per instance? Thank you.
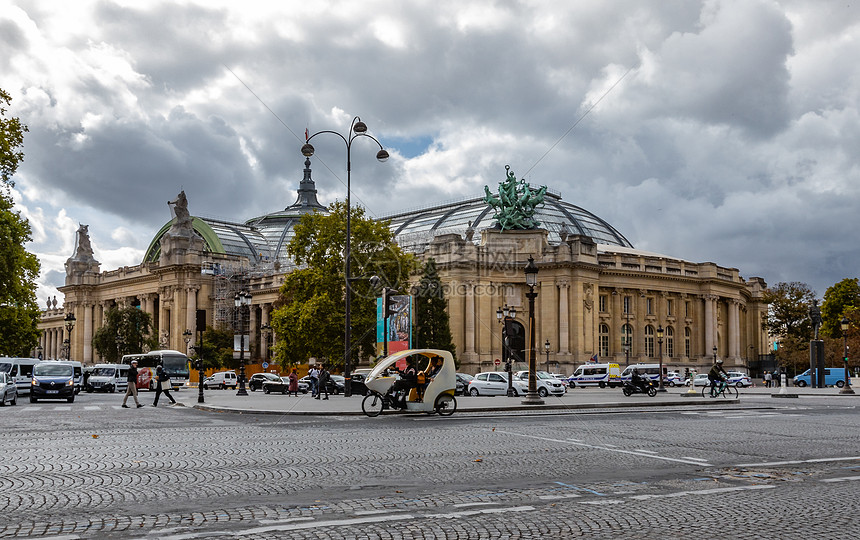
(6, 367)
(52, 370)
(337, 378)
(272, 376)
(544, 375)
(104, 372)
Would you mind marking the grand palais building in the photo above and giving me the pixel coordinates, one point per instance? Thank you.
(596, 291)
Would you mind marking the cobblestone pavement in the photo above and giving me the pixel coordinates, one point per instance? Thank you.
(92, 470)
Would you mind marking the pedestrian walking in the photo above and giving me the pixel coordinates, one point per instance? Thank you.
(314, 375)
(132, 385)
(768, 379)
(161, 377)
(294, 383)
(323, 382)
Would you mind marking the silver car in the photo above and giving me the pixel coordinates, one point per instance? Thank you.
(8, 390)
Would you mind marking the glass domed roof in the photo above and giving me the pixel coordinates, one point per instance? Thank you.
(415, 229)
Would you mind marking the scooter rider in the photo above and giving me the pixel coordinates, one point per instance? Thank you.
(717, 374)
(637, 380)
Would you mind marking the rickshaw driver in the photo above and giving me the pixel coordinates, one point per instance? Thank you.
(408, 380)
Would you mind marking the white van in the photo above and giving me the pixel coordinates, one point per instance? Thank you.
(647, 371)
(108, 378)
(78, 370)
(21, 371)
(223, 379)
(601, 375)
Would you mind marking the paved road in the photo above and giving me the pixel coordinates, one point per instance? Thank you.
(761, 469)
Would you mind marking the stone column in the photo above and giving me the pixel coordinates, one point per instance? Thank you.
(177, 323)
(563, 345)
(734, 329)
(710, 324)
(470, 317)
(639, 328)
(58, 339)
(88, 333)
(163, 314)
(253, 334)
(191, 315)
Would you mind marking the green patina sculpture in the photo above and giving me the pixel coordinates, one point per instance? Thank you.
(516, 203)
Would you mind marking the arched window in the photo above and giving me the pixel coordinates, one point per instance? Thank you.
(687, 342)
(627, 339)
(670, 342)
(604, 340)
(649, 341)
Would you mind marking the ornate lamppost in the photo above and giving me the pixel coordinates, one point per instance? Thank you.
(356, 129)
(531, 270)
(846, 388)
(504, 316)
(186, 336)
(265, 329)
(242, 301)
(39, 352)
(70, 325)
(198, 349)
(660, 387)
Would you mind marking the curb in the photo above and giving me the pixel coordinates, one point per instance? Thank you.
(516, 408)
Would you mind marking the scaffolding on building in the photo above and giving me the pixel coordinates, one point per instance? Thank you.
(229, 278)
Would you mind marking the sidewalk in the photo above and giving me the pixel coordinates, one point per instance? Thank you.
(580, 398)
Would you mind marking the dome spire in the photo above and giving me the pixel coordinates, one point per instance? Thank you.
(306, 198)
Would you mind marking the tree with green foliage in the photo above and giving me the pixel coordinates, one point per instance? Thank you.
(216, 349)
(788, 321)
(126, 331)
(19, 311)
(837, 300)
(432, 325)
(310, 319)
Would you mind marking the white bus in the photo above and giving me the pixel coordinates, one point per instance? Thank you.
(175, 365)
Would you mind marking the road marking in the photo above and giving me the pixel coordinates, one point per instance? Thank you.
(695, 459)
(560, 496)
(607, 448)
(598, 502)
(698, 492)
(292, 520)
(645, 451)
(466, 505)
(798, 462)
(92, 408)
(372, 512)
(843, 479)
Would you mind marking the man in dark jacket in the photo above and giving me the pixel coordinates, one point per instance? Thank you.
(161, 377)
(324, 377)
(132, 385)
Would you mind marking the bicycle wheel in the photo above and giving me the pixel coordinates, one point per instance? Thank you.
(730, 392)
(372, 404)
(446, 405)
(706, 391)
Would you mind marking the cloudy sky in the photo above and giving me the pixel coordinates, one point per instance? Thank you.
(723, 131)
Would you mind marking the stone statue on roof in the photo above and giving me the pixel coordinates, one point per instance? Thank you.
(515, 205)
(181, 226)
(83, 248)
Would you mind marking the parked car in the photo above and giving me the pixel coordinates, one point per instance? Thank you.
(21, 371)
(335, 384)
(700, 380)
(832, 377)
(462, 384)
(223, 379)
(108, 378)
(673, 379)
(8, 390)
(282, 386)
(53, 380)
(739, 379)
(257, 379)
(545, 383)
(495, 383)
(357, 385)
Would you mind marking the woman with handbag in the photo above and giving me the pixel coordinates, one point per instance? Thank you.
(161, 377)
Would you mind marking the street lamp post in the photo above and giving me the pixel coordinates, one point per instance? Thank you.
(531, 271)
(39, 352)
(846, 388)
(504, 315)
(242, 301)
(356, 129)
(546, 347)
(198, 348)
(186, 336)
(265, 329)
(660, 387)
(70, 325)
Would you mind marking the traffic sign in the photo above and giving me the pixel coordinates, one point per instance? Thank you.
(265, 365)
(498, 362)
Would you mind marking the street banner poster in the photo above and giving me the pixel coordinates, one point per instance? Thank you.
(399, 325)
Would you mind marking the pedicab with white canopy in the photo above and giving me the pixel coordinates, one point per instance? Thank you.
(437, 395)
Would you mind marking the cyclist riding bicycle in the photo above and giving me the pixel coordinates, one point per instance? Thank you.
(717, 374)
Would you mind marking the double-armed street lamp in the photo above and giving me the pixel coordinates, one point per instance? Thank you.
(846, 387)
(242, 302)
(356, 129)
(504, 315)
(531, 271)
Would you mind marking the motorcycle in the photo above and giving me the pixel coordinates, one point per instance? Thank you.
(646, 387)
